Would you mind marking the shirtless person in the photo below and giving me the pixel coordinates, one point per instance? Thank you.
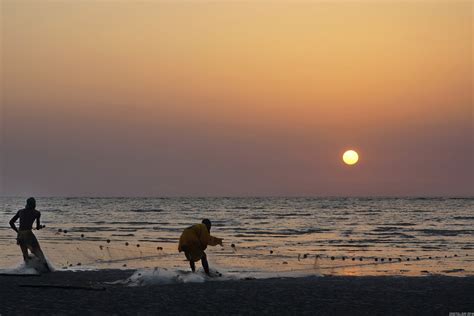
(25, 237)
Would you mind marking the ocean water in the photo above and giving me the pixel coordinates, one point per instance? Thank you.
(262, 236)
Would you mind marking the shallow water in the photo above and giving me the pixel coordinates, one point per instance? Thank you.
(272, 236)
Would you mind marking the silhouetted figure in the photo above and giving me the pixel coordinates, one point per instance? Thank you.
(25, 237)
(194, 240)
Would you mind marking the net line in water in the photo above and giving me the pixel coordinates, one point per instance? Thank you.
(102, 251)
(96, 250)
(374, 261)
(97, 253)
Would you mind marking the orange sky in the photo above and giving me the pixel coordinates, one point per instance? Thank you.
(237, 98)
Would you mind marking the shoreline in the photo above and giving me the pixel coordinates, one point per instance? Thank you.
(67, 292)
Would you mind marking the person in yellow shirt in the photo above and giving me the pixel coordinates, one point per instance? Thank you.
(194, 240)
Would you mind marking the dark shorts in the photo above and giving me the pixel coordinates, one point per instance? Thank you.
(27, 238)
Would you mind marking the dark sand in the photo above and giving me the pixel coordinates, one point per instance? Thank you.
(324, 295)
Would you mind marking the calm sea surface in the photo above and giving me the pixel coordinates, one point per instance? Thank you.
(283, 236)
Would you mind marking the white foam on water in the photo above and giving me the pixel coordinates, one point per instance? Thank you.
(34, 266)
(143, 277)
(161, 276)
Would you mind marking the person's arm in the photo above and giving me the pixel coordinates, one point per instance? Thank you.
(13, 220)
(38, 224)
(207, 240)
(214, 241)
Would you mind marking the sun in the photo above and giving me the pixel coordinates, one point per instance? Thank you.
(350, 157)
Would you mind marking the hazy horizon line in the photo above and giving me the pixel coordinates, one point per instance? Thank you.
(250, 196)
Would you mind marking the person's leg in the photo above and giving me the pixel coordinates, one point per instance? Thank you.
(205, 264)
(24, 251)
(192, 265)
(36, 250)
(20, 241)
(189, 258)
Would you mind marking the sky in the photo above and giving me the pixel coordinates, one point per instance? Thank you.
(236, 98)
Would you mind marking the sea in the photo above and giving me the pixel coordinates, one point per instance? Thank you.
(263, 236)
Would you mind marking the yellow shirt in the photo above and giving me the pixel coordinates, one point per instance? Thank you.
(196, 238)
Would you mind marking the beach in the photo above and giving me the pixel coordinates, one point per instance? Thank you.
(91, 292)
(324, 256)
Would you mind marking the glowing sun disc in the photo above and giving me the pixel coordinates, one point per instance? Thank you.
(350, 157)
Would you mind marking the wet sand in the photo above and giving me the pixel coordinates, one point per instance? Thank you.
(87, 293)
